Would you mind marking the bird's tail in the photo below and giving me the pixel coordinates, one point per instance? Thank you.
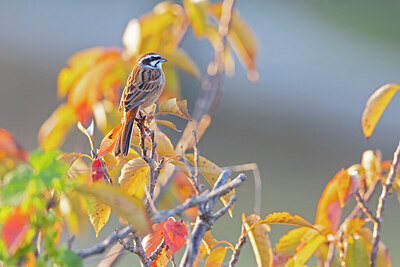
(123, 142)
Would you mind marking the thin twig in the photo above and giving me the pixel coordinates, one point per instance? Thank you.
(162, 215)
(109, 241)
(238, 248)
(140, 251)
(196, 156)
(381, 206)
(330, 256)
(364, 206)
(224, 210)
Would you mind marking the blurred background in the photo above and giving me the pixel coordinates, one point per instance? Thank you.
(319, 62)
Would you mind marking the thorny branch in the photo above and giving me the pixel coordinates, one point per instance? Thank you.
(381, 206)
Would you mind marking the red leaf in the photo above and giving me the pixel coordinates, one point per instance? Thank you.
(152, 241)
(15, 229)
(97, 171)
(174, 234)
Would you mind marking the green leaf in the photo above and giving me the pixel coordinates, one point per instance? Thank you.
(15, 184)
(46, 165)
(70, 259)
(357, 255)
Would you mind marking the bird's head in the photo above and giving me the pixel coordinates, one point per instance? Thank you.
(151, 60)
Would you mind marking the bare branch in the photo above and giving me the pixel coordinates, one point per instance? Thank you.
(381, 206)
(109, 241)
(140, 251)
(364, 206)
(238, 248)
(162, 215)
(223, 210)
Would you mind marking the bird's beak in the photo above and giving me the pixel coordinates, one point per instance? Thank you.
(163, 59)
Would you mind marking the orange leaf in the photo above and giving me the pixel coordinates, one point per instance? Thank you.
(376, 104)
(15, 229)
(54, 130)
(152, 241)
(78, 64)
(338, 191)
(31, 262)
(108, 142)
(216, 257)
(259, 239)
(178, 108)
(174, 234)
(99, 214)
(10, 148)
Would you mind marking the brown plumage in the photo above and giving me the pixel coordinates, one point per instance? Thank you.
(143, 87)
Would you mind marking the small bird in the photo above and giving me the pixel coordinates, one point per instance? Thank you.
(143, 87)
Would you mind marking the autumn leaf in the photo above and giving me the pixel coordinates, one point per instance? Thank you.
(196, 11)
(164, 144)
(168, 124)
(151, 242)
(134, 175)
(10, 148)
(353, 226)
(108, 142)
(129, 208)
(309, 244)
(286, 218)
(216, 257)
(356, 254)
(376, 104)
(99, 214)
(15, 228)
(241, 38)
(97, 171)
(336, 194)
(259, 239)
(287, 244)
(178, 108)
(371, 163)
(54, 130)
(174, 234)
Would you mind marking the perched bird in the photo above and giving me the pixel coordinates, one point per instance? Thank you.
(143, 87)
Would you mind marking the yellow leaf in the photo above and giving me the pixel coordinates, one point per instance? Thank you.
(100, 116)
(54, 130)
(371, 163)
(129, 208)
(376, 104)
(78, 64)
(209, 241)
(73, 208)
(216, 257)
(286, 246)
(168, 124)
(164, 145)
(259, 239)
(286, 218)
(134, 175)
(242, 39)
(202, 253)
(196, 11)
(309, 244)
(187, 139)
(211, 172)
(353, 225)
(99, 214)
(178, 108)
(356, 254)
(182, 60)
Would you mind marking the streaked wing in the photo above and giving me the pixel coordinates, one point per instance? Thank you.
(141, 84)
